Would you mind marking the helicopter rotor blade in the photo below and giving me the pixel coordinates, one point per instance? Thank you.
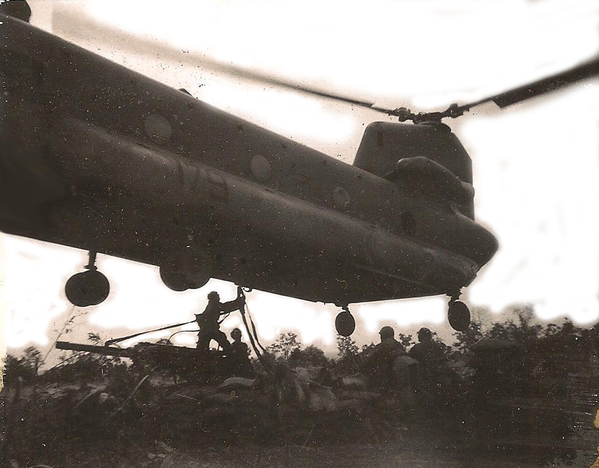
(301, 88)
(537, 88)
(117, 39)
(552, 83)
(505, 99)
(545, 85)
(238, 71)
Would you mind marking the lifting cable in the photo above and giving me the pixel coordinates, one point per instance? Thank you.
(225, 317)
(118, 340)
(253, 336)
(254, 332)
(254, 329)
(182, 331)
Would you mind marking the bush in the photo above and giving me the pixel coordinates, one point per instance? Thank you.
(311, 356)
(284, 346)
(25, 368)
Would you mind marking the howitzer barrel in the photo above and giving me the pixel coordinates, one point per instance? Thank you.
(106, 350)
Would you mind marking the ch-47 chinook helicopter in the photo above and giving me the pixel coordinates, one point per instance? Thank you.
(98, 157)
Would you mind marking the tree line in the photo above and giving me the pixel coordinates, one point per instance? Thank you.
(551, 339)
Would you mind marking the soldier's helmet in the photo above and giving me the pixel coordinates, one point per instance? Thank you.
(424, 333)
(387, 332)
(236, 333)
(213, 296)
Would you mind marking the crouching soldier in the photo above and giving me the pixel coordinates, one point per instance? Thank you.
(240, 356)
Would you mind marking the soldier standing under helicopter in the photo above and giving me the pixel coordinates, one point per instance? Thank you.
(209, 324)
(427, 352)
(379, 364)
(435, 374)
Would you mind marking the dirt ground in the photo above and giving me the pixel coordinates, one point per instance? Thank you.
(126, 419)
(181, 432)
(408, 452)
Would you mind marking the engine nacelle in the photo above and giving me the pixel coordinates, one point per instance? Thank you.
(385, 143)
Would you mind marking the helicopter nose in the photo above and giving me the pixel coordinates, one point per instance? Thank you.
(482, 245)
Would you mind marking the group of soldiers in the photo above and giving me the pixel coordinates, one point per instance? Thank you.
(423, 370)
(209, 329)
(389, 367)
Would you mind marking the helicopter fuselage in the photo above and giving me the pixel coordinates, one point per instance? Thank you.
(102, 158)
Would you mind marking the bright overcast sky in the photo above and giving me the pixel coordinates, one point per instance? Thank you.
(535, 164)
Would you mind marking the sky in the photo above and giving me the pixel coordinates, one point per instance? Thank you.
(536, 165)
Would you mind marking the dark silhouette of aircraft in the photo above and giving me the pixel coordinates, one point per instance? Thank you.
(98, 157)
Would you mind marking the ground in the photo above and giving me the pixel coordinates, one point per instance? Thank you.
(191, 426)
(503, 408)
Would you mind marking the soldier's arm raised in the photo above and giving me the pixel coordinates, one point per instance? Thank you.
(232, 305)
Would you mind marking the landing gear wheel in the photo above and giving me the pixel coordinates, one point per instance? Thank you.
(190, 272)
(173, 279)
(87, 288)
(198, 277)
(345, 324)
(458, 316)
